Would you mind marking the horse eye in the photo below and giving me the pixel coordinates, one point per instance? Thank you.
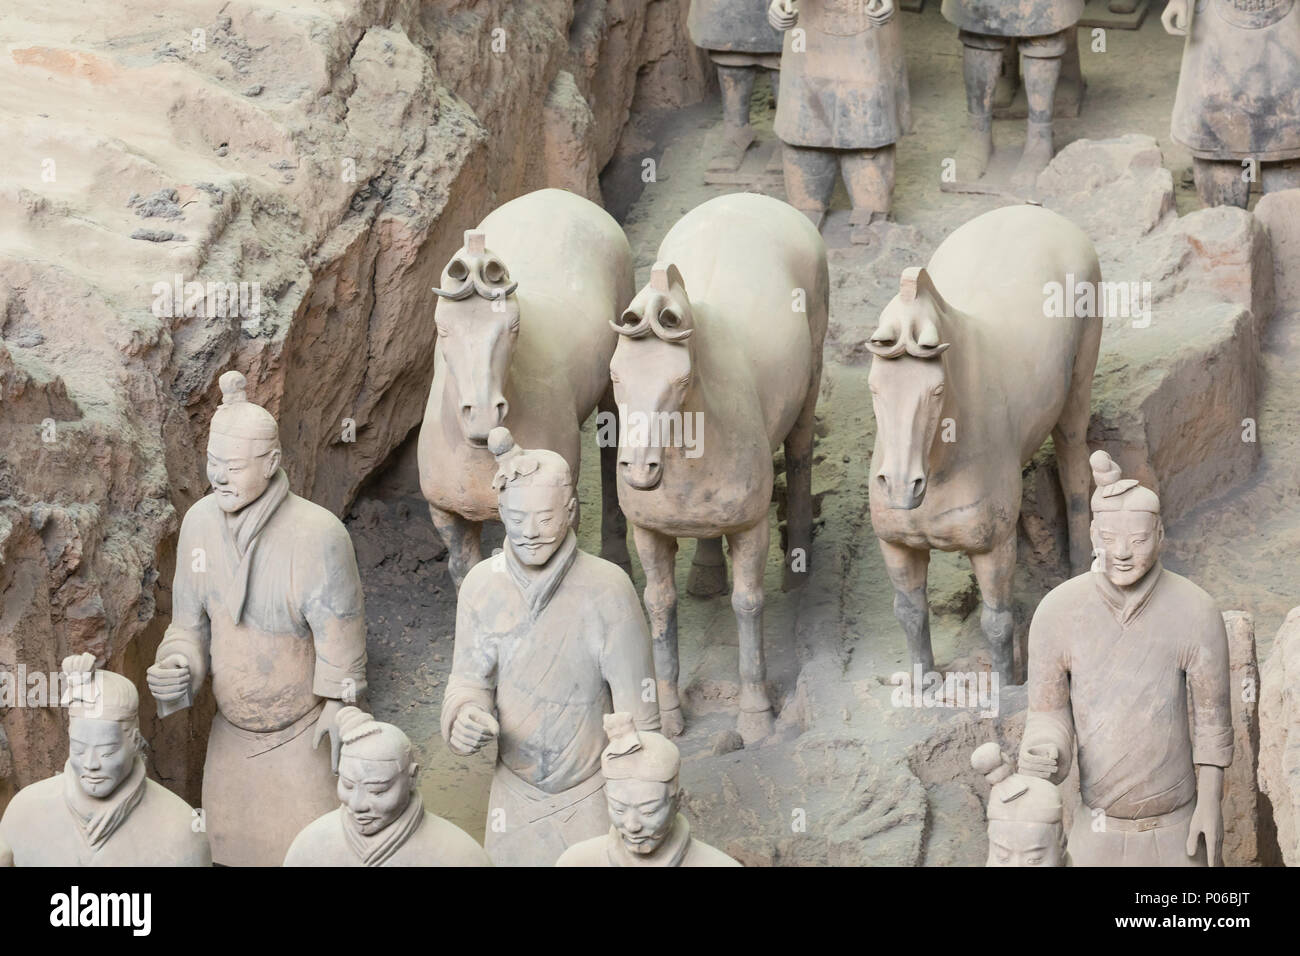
(457, 270)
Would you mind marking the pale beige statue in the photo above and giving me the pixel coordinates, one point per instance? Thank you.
(101, 810)
(643, 794)
(706, 400)
(1116, 657)
(1024, 814)
(523, 341)
(549, 639)
(381, 820)
(266, 599)
(968, 379)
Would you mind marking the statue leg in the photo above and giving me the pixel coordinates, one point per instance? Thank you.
(907, 569)
(798, 489)
(1220, 182)
(613, 525)
(869, 178)
(994, 572)
(1274, 177)
(774, 77)
(748, 559)
(1004, 92)
(1070, 437)
(737, 84)
(981, 64)
(658, 554)
(1043, 57)
(810, 179)
(708, 576)
(464, 541)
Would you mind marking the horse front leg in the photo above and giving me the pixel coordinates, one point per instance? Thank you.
(748, 559)
(994, 571)
(464, 541)
(613, 524)
(658, 554)
(908, 569)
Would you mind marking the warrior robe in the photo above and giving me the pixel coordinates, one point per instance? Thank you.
(142, 823)
(269, 600)
(678, 849)
(1113, 669)
(732, 26)
(549, 652)
(847, 87)
(1239, 87)
(1013, 18)
(416, 838)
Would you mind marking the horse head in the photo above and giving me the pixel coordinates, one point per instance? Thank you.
(907, 383)
(651, 372)
(478, 322)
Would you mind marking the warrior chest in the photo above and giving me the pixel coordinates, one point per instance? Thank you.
(1253, 14)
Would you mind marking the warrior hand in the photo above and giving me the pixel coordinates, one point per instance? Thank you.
(880, 12)
(327, 723)
(1175, 18)
(1039, 761)
(782, 14)
(1207, 821)
(471, 730)
(169, 678)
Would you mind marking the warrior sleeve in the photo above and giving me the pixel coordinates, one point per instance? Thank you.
(1210, 683)
(1050, 720)
(473, 675)
(335, 612)
(188, 634)
(626, 660)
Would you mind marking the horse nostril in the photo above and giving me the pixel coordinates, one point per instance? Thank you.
(465, 410)
(503, 408)
(918, 487)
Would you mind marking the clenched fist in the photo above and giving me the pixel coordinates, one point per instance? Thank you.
(471, 731)
(169, 679)
(782, 14)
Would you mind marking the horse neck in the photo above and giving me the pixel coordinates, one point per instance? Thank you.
(962, 391)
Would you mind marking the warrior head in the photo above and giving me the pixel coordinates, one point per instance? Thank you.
(103, 726)
(1024, 814)
(1127, 533)
(641, 789)
(377, 774)
(535, 496)
(243, 446)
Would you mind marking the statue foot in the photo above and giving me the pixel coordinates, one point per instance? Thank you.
(862, 234)
(974, 153)
(815, 216)
(706, 580)
(731, 151)
(755, 726)
(1038, 153)
(672, 723)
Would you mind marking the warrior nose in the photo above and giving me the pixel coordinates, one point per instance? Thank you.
(904, 493)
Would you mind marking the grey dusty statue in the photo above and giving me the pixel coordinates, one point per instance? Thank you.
(101, 810)
(642, 793)
(740, 42)
(1238, 103)
(381, 820)
(1115, 657)
(549, 639)
(268, 600)
(1024, 814)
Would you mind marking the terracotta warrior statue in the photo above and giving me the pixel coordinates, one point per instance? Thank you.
(549, 639)
(642, 793)
(1238, 99)
(986, 27)
(1024, 813)
(844, 104)
(268, 600)
(382, 820)
(740, 42)
(1114, 655)
(102, 810)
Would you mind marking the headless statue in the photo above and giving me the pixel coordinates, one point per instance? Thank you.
(642, 793)
(381, 820)
(101, 810)
(1114, 655)
(1024, 814)
(548, 640)
(268, 599)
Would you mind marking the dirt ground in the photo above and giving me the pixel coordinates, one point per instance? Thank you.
(848, 778)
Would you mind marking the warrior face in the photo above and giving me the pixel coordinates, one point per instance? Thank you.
(374, 792)
(642, 811)
(1127, 544)
(239, 470)
(102, 754)
(1021, 843)
(537, 517)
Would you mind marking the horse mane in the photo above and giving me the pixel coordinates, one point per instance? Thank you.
(911, 329)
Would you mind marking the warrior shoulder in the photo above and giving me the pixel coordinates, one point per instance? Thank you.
(30, 801)
(611, 581)
(303, 849)
(590, 852)
(453, 845)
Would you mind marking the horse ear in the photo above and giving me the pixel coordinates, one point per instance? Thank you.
(916, 281)
(663, 276)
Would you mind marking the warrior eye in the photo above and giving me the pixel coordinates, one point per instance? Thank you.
(938, 389)
(457, 270)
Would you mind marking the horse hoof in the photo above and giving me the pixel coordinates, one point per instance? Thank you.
(706, 581)
(672, 723)
(755, 726)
